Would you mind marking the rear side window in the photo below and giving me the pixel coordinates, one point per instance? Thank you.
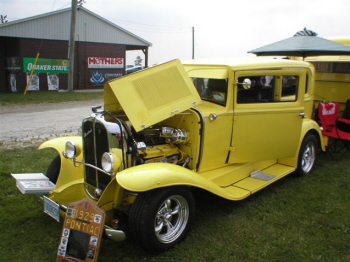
(289, 88)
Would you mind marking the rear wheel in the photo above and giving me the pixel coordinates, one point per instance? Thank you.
(307, 155)
(161, 218)
(54, 169)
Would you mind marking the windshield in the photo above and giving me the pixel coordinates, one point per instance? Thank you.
(212, 90)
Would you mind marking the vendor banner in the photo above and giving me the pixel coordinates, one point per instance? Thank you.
(53, 81)
(13, 65)
(100, 77)
(46, 65)
(34, 82)
(105, 62)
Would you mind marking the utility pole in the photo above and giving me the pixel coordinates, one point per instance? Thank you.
(71, 46)
(192, 42)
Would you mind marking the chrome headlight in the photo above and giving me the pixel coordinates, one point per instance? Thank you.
(110, 162)
(107, 162)
(70, 150)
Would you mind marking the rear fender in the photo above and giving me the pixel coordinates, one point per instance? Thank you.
(309, 126)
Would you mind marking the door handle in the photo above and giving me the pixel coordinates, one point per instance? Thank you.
(302, 114)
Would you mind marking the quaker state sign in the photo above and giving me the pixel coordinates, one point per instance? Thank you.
(82, 232)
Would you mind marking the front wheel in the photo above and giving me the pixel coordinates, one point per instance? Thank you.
(307, 155)
(161, 218)
(53, 170)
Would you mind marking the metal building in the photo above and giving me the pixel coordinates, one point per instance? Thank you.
(100, 51)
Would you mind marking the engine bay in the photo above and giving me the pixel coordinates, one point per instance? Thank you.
(159, 144)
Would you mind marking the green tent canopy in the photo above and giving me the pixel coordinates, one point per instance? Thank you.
(303, 46)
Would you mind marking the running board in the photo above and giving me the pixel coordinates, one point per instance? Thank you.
(260, 179)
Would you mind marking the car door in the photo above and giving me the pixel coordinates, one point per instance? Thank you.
(267, 115)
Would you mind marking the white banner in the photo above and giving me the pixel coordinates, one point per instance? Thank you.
(105, 62)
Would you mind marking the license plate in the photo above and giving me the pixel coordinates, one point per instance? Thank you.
(52, 208)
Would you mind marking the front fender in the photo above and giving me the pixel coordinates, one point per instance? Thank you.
(59, 144)
(69, 175)
(156, 175)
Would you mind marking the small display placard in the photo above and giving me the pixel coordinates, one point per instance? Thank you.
(33, 183)
(82, 232)
(35, 186)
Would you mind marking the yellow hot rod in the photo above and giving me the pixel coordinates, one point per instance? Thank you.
(229, 127)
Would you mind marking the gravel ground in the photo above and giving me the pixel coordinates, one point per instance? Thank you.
(30, 125)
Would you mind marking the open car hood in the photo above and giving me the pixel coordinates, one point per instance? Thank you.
(151, 95)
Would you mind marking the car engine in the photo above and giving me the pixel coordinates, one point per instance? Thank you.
(158, 144)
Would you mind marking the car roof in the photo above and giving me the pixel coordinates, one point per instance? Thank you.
(242, 63)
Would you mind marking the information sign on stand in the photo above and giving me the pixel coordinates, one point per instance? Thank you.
(82, 232)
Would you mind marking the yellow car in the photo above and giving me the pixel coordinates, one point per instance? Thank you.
(228, 127)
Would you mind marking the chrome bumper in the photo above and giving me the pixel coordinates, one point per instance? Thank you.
(113, 234)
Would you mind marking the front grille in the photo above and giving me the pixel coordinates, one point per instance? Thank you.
(95, 143)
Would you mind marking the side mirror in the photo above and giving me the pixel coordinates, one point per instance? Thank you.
(96, 109)
(247, 83)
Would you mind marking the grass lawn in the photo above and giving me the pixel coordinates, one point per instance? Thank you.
(10, 99)
(295, 219)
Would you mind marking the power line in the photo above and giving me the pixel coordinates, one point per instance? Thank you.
(146, 25)
(157, 31)
(149, 27)
(11, 19)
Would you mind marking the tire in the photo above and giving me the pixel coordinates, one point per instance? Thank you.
(154, 212)
(54, 169)
(307, 155)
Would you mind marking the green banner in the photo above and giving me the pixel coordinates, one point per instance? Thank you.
(45, 65)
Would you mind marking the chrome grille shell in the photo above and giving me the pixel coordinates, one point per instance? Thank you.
(99, 136)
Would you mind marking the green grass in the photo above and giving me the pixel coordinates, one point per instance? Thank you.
(295, 219)
(9, 99)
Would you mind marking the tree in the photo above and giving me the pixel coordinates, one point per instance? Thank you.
(138, 61)
(3, 19)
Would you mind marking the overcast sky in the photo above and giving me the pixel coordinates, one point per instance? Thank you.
(222, 28)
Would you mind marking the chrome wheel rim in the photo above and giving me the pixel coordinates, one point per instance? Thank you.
(171, 219)
(308, 157)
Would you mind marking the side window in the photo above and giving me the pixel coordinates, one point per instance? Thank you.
(268, 89)
(262, 89)
(332, 67)
(212, 90)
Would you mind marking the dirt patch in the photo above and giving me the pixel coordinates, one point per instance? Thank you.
(30, 125)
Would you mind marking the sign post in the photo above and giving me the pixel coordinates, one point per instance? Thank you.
(31, 73)
(82, 232)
